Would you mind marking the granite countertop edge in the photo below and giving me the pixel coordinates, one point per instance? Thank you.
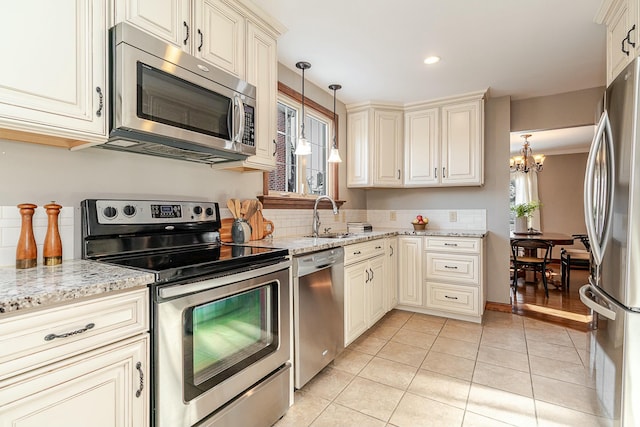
(73, 279)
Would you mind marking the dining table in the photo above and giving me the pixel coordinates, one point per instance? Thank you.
(552, 237)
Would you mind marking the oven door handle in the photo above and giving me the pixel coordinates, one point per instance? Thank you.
(190, 288)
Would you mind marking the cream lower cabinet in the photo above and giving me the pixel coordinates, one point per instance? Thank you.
(364, 287)
(410, 280)
(77, 365)
(53, 77)
(391, 272)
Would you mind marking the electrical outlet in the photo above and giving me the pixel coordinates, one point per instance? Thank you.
(392, 216)
(453, 216)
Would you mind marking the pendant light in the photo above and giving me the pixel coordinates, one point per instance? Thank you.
(526, 161)
(302, 148)
(334, 156)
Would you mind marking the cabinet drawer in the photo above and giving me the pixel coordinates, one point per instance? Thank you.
(453, 244)
(360, 251)
(41, 337)
(458, 299)
(460, 269)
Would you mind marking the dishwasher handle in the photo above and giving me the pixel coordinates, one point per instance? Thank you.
(317, 261)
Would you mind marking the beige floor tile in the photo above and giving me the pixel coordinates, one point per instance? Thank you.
(458, 331)
(585, 357)
(506, 379)
(395, 318)
(447, 364)
(403, 353)
(501, 405)
(337, 415)
(414, 338)
(417, 411)
(512, 340)
(475, 420)
(351, 361)
(426, 326)
(442, 388)
(455, 347)
(493, 319)
(367, 344)
(558, 416)
(382, 332)
(430, 318)
(556, 335)
(572, 396)
(328, 383)
(502, 357)
(581, 340)
(306, 408)
(370, 398)
(563, 371)
(388, 372)
(553, 351)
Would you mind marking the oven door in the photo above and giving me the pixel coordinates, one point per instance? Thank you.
(215, 339)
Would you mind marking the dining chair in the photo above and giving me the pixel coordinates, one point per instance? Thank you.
(574, 258)
(525, 254)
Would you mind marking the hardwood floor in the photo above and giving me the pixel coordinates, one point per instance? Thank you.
(562, 307)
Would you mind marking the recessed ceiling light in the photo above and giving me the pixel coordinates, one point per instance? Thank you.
(431, 60)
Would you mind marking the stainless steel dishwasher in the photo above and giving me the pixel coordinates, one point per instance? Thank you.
(318, 311)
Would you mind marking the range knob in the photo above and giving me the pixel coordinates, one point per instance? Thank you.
(197, 210)
(110, 212)
(129, 210)
(209, 211)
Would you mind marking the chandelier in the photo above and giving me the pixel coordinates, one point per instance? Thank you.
(526, 161)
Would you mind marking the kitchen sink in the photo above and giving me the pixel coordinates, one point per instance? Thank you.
(332, 235)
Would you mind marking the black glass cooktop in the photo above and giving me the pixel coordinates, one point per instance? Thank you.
(188, 263)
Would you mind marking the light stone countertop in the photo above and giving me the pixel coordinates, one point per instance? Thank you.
(300, 245)
(42, 285)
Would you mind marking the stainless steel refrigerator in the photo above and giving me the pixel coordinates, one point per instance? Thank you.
(612, 213)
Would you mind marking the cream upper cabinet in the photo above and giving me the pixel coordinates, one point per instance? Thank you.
(621, 18)
(425, 144)
(444, 143)
(53, 75)
(374, 145)
(208, 29)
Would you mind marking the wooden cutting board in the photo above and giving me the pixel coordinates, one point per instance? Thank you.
(260, 227)
(225, 230)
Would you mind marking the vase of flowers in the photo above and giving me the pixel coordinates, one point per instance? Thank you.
(524, 211)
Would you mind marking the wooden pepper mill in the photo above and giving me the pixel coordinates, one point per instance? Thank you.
(26, 252)
(52, 250)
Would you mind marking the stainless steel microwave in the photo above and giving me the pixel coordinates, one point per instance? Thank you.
(165, 102)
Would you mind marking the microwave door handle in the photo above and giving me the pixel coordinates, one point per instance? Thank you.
(230, 120)
(240, 132)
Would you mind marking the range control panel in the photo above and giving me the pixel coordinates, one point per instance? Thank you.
(154, 211)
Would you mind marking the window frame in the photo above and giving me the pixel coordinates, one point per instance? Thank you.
(299, 201)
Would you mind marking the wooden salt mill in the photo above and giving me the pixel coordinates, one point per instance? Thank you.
(26, 252)
(52, 250)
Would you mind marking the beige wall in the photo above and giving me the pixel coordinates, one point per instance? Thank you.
(493, 196)
(560, 188)
(556, 111)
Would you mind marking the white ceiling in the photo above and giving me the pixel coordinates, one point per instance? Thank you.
(375, 48)
(557, 141)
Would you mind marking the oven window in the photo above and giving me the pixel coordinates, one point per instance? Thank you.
(167, 99)
(227, 335)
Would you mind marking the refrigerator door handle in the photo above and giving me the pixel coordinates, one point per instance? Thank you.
(585, 292)
(599, 233)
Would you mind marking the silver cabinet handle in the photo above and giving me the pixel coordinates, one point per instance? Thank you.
(186, 28)
(139, 368)
(444, 175)
(51, 337)
(448, 297)
(378, 247)
(275, 148)
(391, 247)
(451, 244)
(357, 253)
(398, 173)
(201, 40)
(629, 42)
(100, 101)
(451, 267)
(371, 274)
(367, 273)
(435, 172)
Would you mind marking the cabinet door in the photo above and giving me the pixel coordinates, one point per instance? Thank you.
(168, 20)
(391, 273)
(219, 36)
(410, 281)
(375, 291)
(54, 60)
(462, 144)
(96, 389)
(355, 312)
(617, 44)
(262, 72)
(358, 149)
(387, 148)
(421, 148)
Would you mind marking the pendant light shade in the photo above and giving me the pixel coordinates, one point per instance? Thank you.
(334, 155)
(303, 148)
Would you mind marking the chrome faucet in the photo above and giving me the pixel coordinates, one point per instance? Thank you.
(316, 217)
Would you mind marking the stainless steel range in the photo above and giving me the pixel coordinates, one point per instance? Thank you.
(220, 314)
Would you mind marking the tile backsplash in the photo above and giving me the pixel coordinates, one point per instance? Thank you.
(10, 223)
